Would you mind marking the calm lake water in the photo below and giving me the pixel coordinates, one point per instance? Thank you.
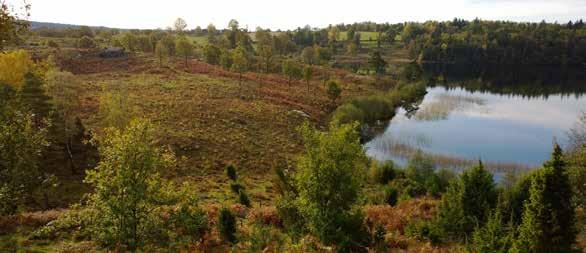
(458, 126)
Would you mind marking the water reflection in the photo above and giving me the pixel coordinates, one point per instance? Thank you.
(458, 126)
(443, 104)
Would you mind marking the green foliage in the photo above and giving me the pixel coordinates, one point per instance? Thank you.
(548, 216)
(377, 62)
(420, 167)
(292, 70)
(115, 109)
(231, 172)
(21, 146)
(390, 195)
(514, 198)
(495, 236)
(383, 173)
(184, 48)
(188, 223)
(495, 42)
(334, 91)
(371, 108)
(34, 98)
(262, 237)
(466, 203)
(424, 230)
(346, 114)
(212, 54)
(161, 52)
(11, 24)
(328, 181)
(227, 225)
(308, 55)
(243, 198)
(225, 58)
(86, 42)
(129, 192)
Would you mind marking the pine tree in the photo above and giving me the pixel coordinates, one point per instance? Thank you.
(467, 203)
(548, 217)
(495, 236)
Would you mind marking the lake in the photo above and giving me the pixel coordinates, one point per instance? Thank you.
(504, 127)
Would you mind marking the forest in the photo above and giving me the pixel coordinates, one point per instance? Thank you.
(229, 140)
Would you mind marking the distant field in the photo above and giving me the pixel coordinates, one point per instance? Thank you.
(199, 40)
(364, 36)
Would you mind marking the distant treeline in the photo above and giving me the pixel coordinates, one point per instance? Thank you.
(497, 42)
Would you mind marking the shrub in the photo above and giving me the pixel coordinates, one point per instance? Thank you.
(227, 225)
(383, 173)
(467, 202)
(86, 42)
(52, 44)
(243, 198)
(189, 225)
(334, 91)
(264, 238)
(494, 236)
(231, 172)
(328, 181)
(347, 113)
(420, 168)
(424, 230)
(391, 195)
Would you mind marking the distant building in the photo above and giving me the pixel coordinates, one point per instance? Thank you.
(112, 52)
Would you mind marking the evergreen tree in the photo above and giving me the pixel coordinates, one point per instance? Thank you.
(377, 62)
(495, 236)
(467, 202)
(548, 217)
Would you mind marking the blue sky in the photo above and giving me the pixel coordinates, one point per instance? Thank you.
(277, 14)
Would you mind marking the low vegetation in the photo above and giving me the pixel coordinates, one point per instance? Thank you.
(231, 141)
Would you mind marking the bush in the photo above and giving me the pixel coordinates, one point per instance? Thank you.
(391, 195)
(262, 237)
(189, 225)
(227, 225)
(424, 230)
(231, 172)
(467, 203)
(327, 201)
(52, 44)
(347, 113)
(420, 168)
(383, 173)
(243, 198)
(86, 42)
(495, 236)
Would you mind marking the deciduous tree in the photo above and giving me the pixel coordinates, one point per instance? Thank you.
(129, 192)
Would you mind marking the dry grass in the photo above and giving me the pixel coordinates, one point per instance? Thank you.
(9, 224)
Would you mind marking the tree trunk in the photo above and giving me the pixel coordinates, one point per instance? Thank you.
(45, 200)
(240, 83)
(70, 154)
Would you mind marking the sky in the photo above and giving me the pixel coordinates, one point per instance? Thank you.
(277, 14)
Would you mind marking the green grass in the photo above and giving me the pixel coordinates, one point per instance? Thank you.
(364, 36)
(199, 40)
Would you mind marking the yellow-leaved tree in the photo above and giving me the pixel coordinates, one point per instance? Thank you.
(13, 66)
